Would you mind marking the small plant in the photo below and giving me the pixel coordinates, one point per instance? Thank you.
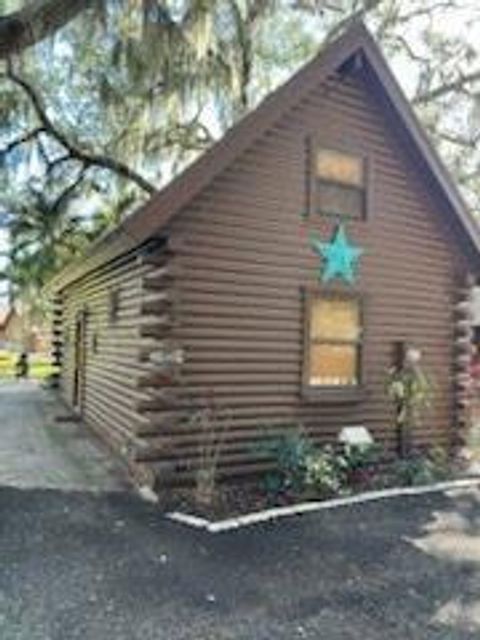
(418, 469)
(440, 460)
(361, 456)
(211, 422)
(326, 472)
(290, 453)
(410, 390)
(362, 463)
(410, 472)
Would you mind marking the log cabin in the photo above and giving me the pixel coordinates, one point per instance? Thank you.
(279, 273)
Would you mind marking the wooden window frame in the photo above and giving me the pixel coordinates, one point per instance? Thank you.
(316, 143)
(333, 393)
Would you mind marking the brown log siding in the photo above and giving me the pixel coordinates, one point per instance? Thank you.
(110, 381)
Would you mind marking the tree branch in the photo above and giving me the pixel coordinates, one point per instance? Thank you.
(85, 157)
(409, 50)
(425, 11)
(27, 137)
(468, 177)
(35, 22)
(53, 164)
(68, 191)
(470, 141)
(448, 87)
(368, 7)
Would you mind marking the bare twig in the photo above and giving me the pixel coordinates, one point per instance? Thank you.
(459, 84)
(53, 164)
(468, 141)
(26, 137)
(358, 14)
(428, 10)
(66, 193)
(409, 50)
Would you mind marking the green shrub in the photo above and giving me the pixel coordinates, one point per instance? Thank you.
(409, 472)
(300, 468)
(362, 456)
(290, 453)
(440, 460)
(418, 469)
(362, 464)
(326, 472)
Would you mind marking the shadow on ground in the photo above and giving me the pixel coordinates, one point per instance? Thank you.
(94, 567)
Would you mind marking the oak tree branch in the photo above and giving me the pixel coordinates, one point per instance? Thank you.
(449, 87)
(85, 157)
(23, 139)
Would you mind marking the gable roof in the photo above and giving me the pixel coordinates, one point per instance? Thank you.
(152, 217)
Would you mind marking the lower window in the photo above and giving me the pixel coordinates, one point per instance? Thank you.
(333, 341)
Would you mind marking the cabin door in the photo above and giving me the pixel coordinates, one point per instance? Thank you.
(79, 361)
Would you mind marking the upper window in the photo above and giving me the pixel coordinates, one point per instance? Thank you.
(333, 341)
(339, 183)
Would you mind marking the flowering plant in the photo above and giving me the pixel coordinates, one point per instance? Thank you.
(410, 389)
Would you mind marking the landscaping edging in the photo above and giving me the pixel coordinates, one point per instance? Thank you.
(258, 517)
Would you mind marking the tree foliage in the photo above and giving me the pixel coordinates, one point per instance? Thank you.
(100, 104)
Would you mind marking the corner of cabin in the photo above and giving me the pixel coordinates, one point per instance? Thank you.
(110, 327)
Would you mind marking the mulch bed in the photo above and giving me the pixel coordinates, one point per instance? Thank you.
(241, 497)
(230, 500)
(237, 499)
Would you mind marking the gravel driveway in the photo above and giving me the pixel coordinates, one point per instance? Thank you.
(98, 566)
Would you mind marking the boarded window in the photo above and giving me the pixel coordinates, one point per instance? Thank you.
(339, 183)
(333, 341)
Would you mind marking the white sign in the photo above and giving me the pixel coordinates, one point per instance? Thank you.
(357, 436)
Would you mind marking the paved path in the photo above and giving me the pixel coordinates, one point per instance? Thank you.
(38, 451)
(100, 566)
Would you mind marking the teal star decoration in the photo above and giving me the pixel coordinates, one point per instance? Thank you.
(340, 256)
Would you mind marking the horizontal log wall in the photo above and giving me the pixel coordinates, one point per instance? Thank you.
(245, 259)
(118, 372)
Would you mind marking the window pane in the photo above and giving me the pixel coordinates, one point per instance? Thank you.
(340, 167)
(340, 200)
(335, 319)
(333, 365)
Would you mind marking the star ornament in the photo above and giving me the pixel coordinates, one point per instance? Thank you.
(340, 257)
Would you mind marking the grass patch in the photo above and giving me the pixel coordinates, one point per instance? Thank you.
(40, 366)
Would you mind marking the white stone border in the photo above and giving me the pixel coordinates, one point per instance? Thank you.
(258, 517)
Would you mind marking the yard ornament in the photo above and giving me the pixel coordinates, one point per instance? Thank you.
(340, 257)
